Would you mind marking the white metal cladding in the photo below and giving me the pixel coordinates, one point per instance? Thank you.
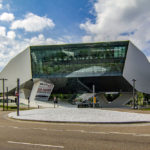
(18, 67)
(137, 67)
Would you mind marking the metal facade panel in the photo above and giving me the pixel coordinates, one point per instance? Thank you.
(18, 67)
(137, 67)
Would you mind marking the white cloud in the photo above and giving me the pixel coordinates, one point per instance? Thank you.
(7, 17)
(1, 6)
(87, 38)
(9, 46)
(41, 40)
(33, 23)
(8, 7)
(11, 34)
(119, 20)
(2, 31)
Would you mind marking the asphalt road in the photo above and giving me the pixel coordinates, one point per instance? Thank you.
(26, 135)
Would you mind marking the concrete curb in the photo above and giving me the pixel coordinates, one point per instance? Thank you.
(77, 122)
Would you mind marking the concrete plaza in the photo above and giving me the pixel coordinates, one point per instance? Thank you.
(81, 115)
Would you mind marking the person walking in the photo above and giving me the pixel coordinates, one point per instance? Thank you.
(55, 101)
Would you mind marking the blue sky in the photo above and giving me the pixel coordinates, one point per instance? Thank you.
(66, 15)
(36, 22)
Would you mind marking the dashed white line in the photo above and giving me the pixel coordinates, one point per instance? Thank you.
(75, 131)
(98, 132)
(123, 133)
(15, 127)
(83, 131)
(32, 144)
(141, 135)
(44, 129)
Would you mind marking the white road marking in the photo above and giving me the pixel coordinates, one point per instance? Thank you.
(98, 132)
(15, 127)
(75, 131)
(21, 128)
(141, 135)
(45, 129)
(133, 134)
(83, 131)
(42, 145)
(57, 130)
(123, 133)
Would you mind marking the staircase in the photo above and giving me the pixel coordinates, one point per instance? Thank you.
(121, 100)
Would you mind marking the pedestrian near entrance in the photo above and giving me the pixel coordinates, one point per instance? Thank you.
(55, 101)
(28, 103)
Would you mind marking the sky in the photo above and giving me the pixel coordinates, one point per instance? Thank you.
(37, 22)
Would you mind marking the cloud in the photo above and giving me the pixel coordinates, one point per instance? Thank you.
(119, 20)
(41, 40)
(4, 36)
(2, 31)
(7, 17)
(11, 34)
(33, 23)
(9, 46)
(1, 6)
(8, 7)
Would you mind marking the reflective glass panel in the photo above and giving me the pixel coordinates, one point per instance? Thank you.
(78, 60)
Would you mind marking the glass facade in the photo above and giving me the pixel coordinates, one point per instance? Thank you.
(78, 60)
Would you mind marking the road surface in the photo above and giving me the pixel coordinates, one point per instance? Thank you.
(27, 135)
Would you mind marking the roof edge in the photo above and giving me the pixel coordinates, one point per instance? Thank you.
(69, 44)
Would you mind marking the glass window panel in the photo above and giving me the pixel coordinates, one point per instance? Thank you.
(78, 59)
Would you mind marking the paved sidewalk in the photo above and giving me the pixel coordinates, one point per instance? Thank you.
(83, 115)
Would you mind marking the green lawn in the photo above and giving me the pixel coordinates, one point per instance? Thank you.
(14, 107)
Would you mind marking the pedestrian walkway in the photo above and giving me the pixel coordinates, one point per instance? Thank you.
(82, 115)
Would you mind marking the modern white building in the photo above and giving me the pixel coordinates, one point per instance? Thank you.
(74, 68)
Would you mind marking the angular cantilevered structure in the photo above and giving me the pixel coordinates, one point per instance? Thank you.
(75, 68)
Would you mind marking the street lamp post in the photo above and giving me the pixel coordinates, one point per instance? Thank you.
(7, 97)
(93, 96)
(28, 103)
(133, 93)
(18, 88)
(3, 79)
